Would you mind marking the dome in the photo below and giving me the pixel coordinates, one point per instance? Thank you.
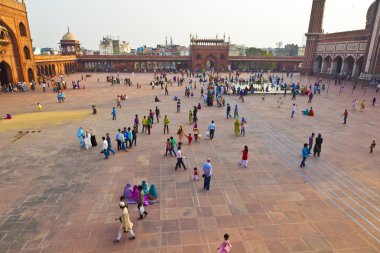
(370, 14)
(69, 36)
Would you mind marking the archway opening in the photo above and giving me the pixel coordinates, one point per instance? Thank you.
(22, 29)
(337, 66)
(27, 53)
(30, 75)
(318, 64)
(359, 66)
(349, 66)
(327, 64)
(5, 73)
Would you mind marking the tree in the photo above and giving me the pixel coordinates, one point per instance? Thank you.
(253, 51)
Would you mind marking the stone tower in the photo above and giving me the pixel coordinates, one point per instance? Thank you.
(315, 29)
(16, 51)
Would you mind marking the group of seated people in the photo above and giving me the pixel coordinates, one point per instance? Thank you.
(308, 112)
(131, 194)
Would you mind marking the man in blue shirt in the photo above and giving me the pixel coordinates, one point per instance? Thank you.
(211, 129)
(207, 170)
(305, 153)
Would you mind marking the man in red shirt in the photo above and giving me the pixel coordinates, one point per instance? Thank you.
(345, 115)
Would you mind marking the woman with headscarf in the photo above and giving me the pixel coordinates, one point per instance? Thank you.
(128, 192)
(145, 187)
(153, 195)
(80, 136)
(237, 127)
(236, 112)
(93, 138)
(180, 133)
(242, 126)
(87, 140)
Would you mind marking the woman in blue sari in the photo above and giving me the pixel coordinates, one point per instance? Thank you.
(145, 186)
(80, 135)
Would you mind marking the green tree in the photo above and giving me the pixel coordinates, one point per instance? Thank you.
(253, 51)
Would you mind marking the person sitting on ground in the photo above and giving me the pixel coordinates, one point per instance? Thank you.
(306, 112)
(128, 192)
(311, 112)
(145, 186)
(199, 106)
(153, 195)
(156, 99)
(8, 116)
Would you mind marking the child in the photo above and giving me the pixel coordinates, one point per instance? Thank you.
(244, 159)
(196, 132)
(39, 107)
(372, 146)
(189, 138)
(195, 174)
(226, 246)
(168, 147)
(140, 203)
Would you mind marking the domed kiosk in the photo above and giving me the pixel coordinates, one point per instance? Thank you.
(70, 45)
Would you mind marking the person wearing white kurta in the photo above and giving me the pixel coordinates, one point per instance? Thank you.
(126, 224)
(87, 140)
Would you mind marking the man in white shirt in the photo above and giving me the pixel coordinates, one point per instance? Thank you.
(294, 108)
(180, 158)
(105, 147)
(44, 87)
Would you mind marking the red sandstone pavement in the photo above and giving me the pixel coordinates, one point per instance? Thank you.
(55, 197)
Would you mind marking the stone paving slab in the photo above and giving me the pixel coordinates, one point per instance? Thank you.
(58, 198)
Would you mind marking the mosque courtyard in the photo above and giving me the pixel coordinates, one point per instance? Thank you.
(56, 197)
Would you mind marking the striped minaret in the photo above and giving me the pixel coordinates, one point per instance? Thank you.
(315, 29)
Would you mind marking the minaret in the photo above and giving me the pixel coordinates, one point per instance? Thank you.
(315, 29)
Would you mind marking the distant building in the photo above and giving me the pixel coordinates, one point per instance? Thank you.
(237, 50)
(110, 46)
(301, 51)
(69, 44)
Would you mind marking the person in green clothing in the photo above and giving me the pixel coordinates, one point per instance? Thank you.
(140, 203)
(237, 127)
(166, 124)
(149, 124)
(172, 145)
(190, 117)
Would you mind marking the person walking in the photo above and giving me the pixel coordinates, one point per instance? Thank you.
(109, 143)
(318, 145)
(345, 115)
(140, 203)
(134, 136)
(372, 146)
(244, 158)
(166, 124)
(226, 246)
(126, 224)
(305, 153)
(237, 127)
(180, 158)
(362, 105)
(311, 141)
(294, 108)
(172, 145)
(242, 126)
(195, 114)
(118, 139)
(166, 90)
(113, 113)
(39, 106)
(136, 123)
(373, 102)
(207, 172)
(149, 124)
(236, 112)
(178, 105)
(105, 147)
(311, 95)
(158, 116)
(180, 133)
(211, 129)
(228, 111)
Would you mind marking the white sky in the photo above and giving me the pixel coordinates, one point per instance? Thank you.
(249, 22)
